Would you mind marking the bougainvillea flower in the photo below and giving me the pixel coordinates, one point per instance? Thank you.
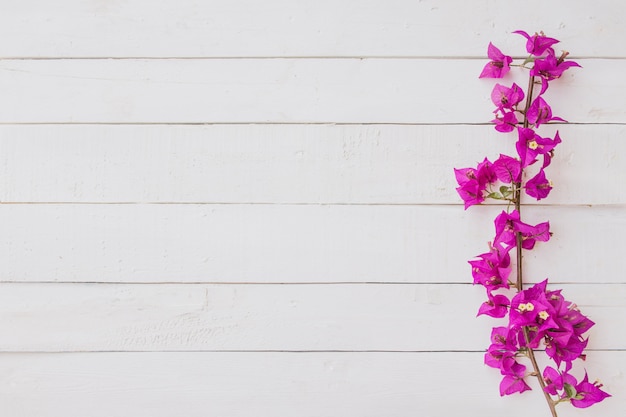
(507, 122)
(553, 380)
(529, 145)
(506, 97)
(507, 225)
(496, 306)
(471, 194)
(538, 186)
(557, 381)
(568, 352)
(532, 234)
(514, 382)
(499, 64)
(501, 352)
(551, 68)
(587, 393)
(492, 269)
(500, 357)
(538, 43)
(527, 305)
(507, 169)
(540, 112)
(505, 229)
(579, 322)
(473, 182)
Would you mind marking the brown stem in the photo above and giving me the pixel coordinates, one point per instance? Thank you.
(517, 198)
(542, 383)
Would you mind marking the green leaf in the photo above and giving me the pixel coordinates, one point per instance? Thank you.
(570, 390)
(495, 195)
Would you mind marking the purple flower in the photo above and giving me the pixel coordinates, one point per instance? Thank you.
(553, 380)
(501, 352)
(507, 225)
(530, 308)
(505, 97)
(473, 181)
(587, 394)
(538, 186)
(551, 68)
(499, 64)
(540, 112)
(557, 381)
(492, 269)
(564, 352)
(547, 157)
(496, 306)
(513, 381)
(532, 234)
(529, 145)
(538, 43)
(507, 169)
(505, 123)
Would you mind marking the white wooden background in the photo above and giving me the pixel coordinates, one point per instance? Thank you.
(247, 208)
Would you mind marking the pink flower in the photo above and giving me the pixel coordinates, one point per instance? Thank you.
(507, 169)
(499, 64)
(551, 68)
(514, 380)
(473, 182)
(538, 186)
(540, 112)
(558, 381)
(565, 352)
(492, 269)
(529, 145)
(538, 43)
(505, 123)
(507, 225)
(505, 97)
(587, 394)
(496, 306)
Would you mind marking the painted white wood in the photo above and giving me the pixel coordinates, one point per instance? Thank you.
(293, 243)
(399, 164)
(431, 91)
(162, 28)
(301, 200)
(277, 384)
(343, 317)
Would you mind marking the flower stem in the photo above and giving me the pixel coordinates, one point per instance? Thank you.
(542, 383)
(518, 243)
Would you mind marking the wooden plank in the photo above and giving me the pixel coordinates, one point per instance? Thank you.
(329, 164)
(160, 28)
(174, 317)
(285, 91)
(295, 243)
(277, 384)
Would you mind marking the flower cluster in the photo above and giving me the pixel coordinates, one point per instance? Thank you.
(538, 318)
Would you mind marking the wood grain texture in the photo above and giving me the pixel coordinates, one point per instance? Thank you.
(291, 243)
(286, 91)
(328, 164)
(341, 317)
(241, 28)
(276, 384)
(242, 208)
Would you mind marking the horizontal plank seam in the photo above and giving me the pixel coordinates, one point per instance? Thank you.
(277, 57)
(264, 123)
(45, 352)
(282, 283)
(263, 351)
(266, 203)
